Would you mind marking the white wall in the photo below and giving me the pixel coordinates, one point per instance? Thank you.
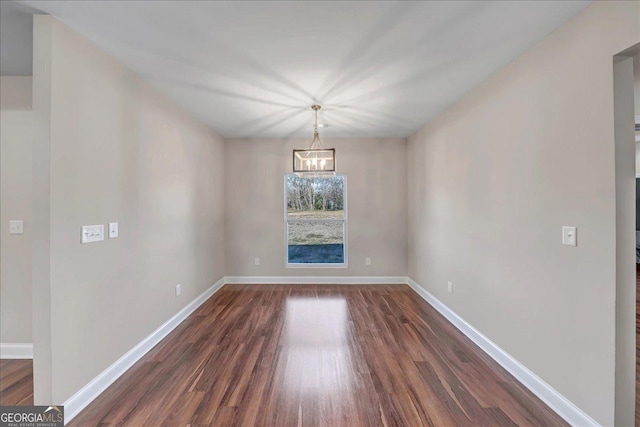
(16, 138)
(636, 82)
(625, 349)
(636, 91)
(15, 92)
(376, 198)
(112, 149)
(493, 180)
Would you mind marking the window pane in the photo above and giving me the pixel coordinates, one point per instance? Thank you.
(315, 198)
(315, 242)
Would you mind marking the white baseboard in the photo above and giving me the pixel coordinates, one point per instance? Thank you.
(16, 350)
(89, 392)
(560, 404)
(318, 280)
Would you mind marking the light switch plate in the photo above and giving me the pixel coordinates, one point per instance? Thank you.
(92, 233)
(16, 226)
(569, 236)
(113, 230)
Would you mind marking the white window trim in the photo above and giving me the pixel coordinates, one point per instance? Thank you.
(345, 264)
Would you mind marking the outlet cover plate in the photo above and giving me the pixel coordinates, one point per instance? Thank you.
(569, 236)
(16, 226)
(113, 230)
(92, 233)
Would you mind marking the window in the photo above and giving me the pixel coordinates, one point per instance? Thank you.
(316, 221)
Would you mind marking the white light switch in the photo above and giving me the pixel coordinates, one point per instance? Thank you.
(16, 227)
(569, 236)
(92, 233)
(113, 230)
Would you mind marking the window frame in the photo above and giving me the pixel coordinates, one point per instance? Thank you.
(344, 264)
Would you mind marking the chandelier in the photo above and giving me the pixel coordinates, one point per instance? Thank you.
(315, 160)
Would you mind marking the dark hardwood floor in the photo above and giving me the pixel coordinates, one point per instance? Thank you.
(307, 355)
(637, 345)
(16, 382)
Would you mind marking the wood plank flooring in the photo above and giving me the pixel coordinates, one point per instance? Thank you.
(325, 355)
(16, 382)
(637, 345)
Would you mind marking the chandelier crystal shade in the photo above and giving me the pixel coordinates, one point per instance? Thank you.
(315, 160)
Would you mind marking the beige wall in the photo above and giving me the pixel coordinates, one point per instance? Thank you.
(625, 349)
(119, 152)
(636, 91)
(493, 180)
(16, 137)
(15, 92)
(376, 203)
(490, 183)
(41, 211)
(636, 82)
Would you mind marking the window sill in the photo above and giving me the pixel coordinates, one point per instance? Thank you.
(316, 265)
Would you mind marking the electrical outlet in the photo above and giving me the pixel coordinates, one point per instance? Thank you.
(178, 290)
(450, 287)
(257, 261)
(92, 233)
(367, 261)
(16, 226)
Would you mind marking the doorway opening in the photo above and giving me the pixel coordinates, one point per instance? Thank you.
(626, 91)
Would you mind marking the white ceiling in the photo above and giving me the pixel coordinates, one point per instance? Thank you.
(252, 69)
